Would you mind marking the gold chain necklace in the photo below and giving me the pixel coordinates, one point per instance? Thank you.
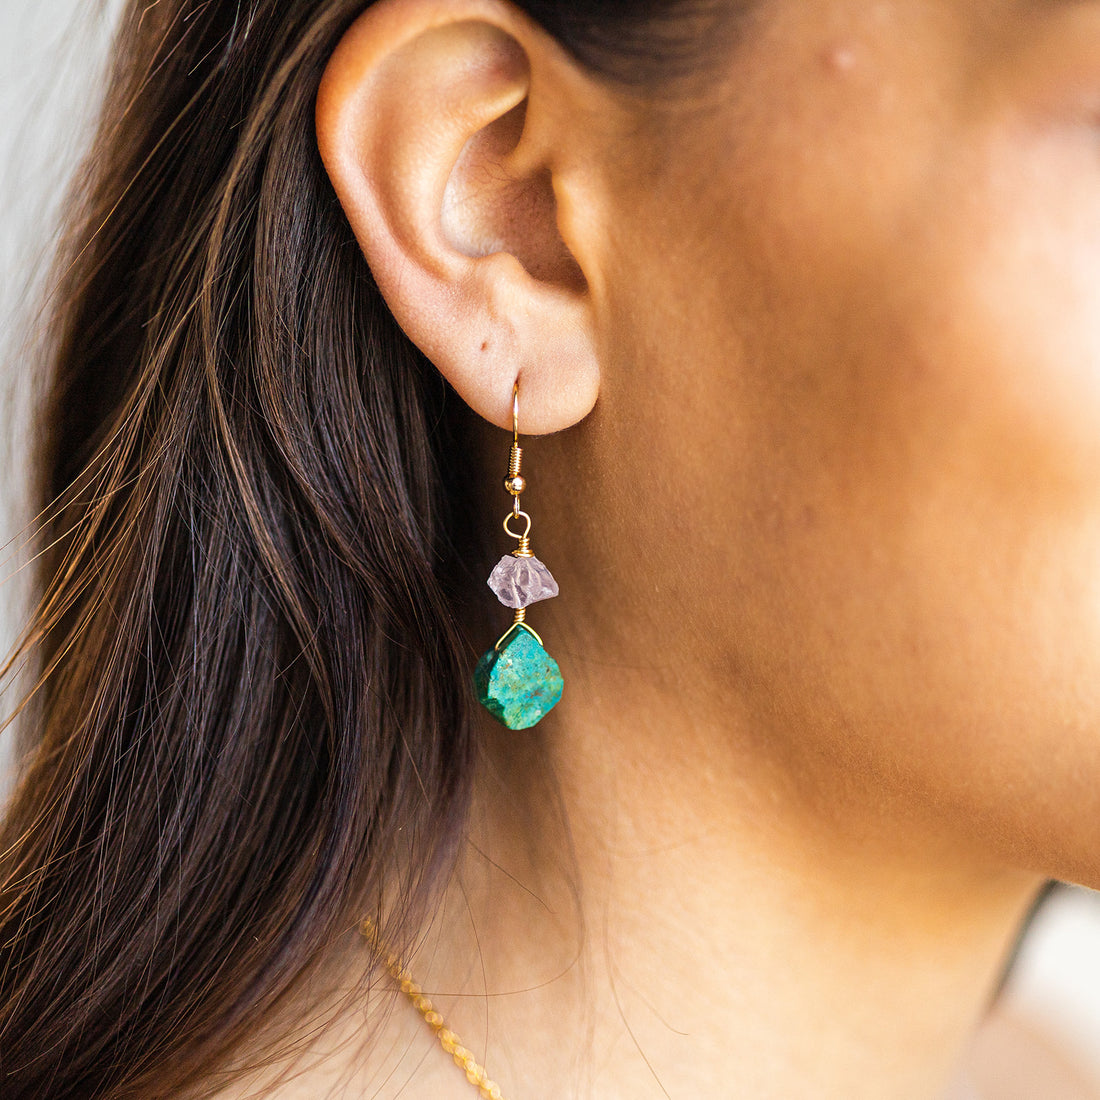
(448, 1040)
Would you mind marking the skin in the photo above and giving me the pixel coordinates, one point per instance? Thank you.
(827, 542)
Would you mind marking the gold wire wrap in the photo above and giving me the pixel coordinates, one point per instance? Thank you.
(520, 615)
(519, 624)
(515, 461)
(476, 1074)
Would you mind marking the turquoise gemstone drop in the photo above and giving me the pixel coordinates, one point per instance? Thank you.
(520, 683)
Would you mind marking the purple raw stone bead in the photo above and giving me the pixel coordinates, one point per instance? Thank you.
(520, 582)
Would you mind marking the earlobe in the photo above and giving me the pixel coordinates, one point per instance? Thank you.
(442, 128)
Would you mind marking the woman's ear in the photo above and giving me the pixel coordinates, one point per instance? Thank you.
(457, 135)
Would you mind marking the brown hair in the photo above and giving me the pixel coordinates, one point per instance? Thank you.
(252, 703)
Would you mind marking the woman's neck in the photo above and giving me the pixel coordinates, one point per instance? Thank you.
(646, 908)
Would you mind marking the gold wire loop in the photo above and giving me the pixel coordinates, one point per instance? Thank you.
(519, 624)
(525, 536)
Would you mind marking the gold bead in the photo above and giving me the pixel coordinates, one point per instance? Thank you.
(515, 484)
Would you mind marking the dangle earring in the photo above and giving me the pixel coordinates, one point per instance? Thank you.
(517, 681)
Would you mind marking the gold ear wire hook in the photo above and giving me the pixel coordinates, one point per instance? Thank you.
(515, 482)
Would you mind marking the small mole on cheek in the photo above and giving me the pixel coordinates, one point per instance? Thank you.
(484, 345)
(839, 59)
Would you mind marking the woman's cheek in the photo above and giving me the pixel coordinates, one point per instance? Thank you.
(1026, 288)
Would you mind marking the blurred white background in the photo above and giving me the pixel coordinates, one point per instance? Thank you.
(51, 64)
(52, 54)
